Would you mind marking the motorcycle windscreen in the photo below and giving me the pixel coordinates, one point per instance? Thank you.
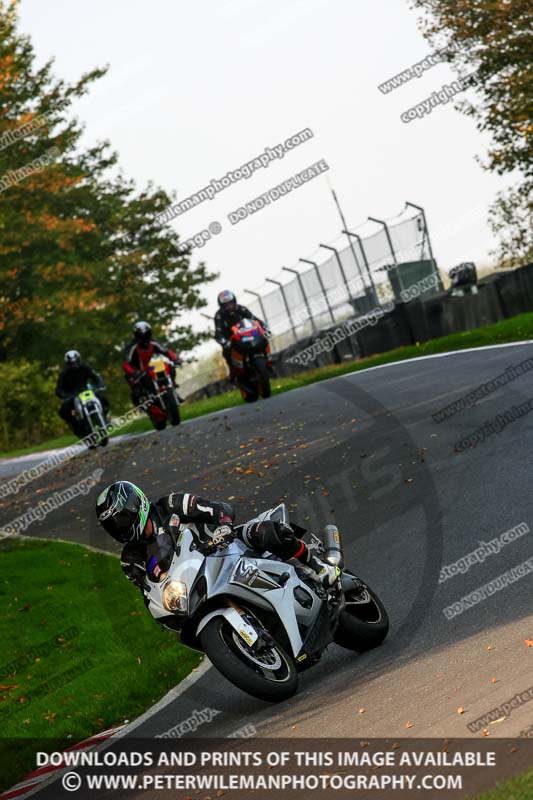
(157, 367)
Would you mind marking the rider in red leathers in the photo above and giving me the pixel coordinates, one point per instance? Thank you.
(137, 355)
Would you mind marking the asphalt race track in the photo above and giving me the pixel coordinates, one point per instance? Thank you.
(363, 451)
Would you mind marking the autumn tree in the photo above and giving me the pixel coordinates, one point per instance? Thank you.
(492, 41)
(82, 254)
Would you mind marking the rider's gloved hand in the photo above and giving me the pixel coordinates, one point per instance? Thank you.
(223, 535)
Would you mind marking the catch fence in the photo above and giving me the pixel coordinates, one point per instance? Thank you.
(346, 278)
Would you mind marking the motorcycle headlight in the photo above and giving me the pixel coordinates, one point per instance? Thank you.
(175, 596)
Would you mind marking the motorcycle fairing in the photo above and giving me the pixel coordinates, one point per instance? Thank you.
(220, 571)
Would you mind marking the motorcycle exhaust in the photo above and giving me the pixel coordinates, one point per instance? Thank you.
(332, 546)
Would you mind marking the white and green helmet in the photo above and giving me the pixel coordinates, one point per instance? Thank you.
(122, 510)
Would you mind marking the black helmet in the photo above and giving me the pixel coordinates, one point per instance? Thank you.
(227, 302)
(122, 510)
(142, 332)
(72, 358)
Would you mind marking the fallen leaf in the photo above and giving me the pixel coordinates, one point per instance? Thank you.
(408, 724)
(528, 642)
(495, 680)
(9, 688)
(485, 732)
(361, 710)
(489, 647)
(460, 710)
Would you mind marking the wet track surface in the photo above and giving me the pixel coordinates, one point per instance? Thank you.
(362, 451)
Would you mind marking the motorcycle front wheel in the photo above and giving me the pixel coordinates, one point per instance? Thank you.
(263, 378)
(269, 674)
(89, 429)
(173, 407)
(249, 397)
(364, 622)
(99, 426)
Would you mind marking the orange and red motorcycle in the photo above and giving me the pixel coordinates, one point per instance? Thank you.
(250, 359)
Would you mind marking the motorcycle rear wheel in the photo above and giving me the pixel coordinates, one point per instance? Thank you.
(270, 676)
(364, 622)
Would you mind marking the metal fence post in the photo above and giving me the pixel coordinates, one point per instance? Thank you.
(306, 301)
(426, 235)
(339, 262)
(261, 306)
(365, 259)
(350, 243)
(321, 282)
(389, 240)
(278, 283)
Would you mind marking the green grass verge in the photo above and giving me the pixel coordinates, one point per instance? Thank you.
(509, 330)
(519, 788)
(80, 651)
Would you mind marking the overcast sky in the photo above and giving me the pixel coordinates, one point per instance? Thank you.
(196, 89)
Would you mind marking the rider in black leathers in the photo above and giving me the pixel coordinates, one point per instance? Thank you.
(230, 313)
(72, 380)
(127, 514)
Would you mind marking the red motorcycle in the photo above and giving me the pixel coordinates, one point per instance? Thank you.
(158, 386)
(250, 357)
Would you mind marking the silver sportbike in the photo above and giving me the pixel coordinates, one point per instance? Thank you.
(260, 620)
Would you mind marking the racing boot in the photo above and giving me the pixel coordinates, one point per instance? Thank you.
(317, 570)
(323, 573)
